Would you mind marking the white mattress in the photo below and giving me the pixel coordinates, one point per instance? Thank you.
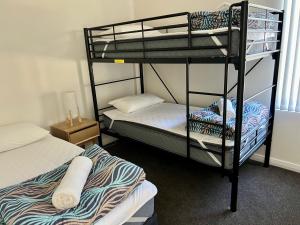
(29, 161)
(165, 116)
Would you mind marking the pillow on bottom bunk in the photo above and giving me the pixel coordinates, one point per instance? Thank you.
(208, 121)
(110, 181)
(134, 103)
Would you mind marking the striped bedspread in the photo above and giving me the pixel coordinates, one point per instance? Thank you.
(255, 114)
(110, 181)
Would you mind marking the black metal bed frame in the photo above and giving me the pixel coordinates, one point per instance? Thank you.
(238, 61)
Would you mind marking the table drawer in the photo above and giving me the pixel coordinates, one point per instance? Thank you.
(84, 135)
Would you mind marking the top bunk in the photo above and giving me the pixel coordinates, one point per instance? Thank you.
(201, 37)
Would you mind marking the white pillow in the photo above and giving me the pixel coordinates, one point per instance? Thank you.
(17, 135)
(133, 103)
(127, 28)
(230, 110)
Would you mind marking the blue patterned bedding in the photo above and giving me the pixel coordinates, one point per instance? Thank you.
(110, 181)
(206, 20)
(254, 115)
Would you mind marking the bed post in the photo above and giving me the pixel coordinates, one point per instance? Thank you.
(92, 81)
(188, 141)
(276, 57)
(141, 77)
(239, 108)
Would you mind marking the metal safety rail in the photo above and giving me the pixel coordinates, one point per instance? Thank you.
(92, 36)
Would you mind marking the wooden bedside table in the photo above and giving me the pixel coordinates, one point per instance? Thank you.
(79, 134)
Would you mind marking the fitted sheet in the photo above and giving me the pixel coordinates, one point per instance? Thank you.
(169, 117)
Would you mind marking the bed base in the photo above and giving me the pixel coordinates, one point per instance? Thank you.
(239, 63)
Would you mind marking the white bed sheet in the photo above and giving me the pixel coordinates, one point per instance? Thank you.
(40, 157)
(166, 116)
(32, 160)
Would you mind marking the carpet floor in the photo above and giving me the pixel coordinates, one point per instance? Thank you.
(192, 194)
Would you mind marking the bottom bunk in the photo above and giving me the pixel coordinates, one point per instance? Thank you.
(164, 126)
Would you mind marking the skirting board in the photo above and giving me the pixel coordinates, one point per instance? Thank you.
(278, 162)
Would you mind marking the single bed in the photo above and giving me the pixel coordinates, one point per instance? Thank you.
(163, 126)
(48, 153)
(201, 40)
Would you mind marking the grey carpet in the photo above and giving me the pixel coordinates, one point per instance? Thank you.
(190, 194)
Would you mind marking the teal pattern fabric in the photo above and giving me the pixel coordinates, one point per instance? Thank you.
(208, 120)
(206, 20)
(110, 181)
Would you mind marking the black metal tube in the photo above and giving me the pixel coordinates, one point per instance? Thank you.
(198, 60)
(143, 40)
(187, 80)
(189, 31)
(239, 108)
(205, 93)
(140, 20)
(142, 77)
(157, 38)
(161, 80)
(273, 98)
(108, 107)
(114, 33)
(162, 49)
(92, 81)
(91, 43)
(116, 81)
(248, 72)
(225, 87)
(145, 30)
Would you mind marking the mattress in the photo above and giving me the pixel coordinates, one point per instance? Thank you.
(163, 126)
(29, 161)
(200, 39)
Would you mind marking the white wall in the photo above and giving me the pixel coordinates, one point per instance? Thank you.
(42, 54)
(285, 145)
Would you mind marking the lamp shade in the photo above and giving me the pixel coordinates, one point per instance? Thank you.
(70, 102)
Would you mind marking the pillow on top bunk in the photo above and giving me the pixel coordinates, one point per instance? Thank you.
(127, 28)
(131, 104)
(209, 20)
(17, 135)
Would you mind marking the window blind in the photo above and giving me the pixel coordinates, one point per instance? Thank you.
(288, 95)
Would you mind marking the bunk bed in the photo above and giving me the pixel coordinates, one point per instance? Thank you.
(249, 33)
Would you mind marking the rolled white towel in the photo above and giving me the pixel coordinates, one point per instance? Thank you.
(230, 109)
(67, 194)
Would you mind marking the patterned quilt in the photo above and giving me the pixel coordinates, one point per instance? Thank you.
(254, 115)
(205, 20)
(110, 181)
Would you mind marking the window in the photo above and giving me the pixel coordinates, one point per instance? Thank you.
(288, 96)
